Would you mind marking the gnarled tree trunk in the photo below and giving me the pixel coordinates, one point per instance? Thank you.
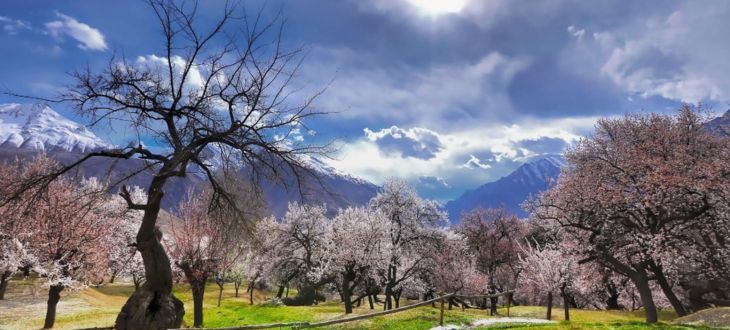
(153, 306)
(346, 291)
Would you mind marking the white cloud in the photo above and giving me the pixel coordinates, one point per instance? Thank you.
(88, 37)
(194, 79)
(415, 142)
(577, 33)
(651, 70)
(432, 182)
(492, 150)
(13, 26)
(679, 56)
(475, 162)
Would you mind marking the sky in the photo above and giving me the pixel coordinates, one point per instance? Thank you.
(448, 94)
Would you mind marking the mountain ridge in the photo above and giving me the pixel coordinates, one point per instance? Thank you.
(28, 129)
(511, 190)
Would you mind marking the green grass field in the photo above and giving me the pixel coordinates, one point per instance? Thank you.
(97, 307)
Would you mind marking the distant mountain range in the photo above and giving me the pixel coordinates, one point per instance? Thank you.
(511, 190)
(27, 129)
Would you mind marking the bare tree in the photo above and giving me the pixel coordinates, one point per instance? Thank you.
(222, 92)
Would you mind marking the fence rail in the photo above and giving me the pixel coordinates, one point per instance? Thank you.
(302, 325)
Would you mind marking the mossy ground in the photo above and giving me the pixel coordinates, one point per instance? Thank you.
(97, 307)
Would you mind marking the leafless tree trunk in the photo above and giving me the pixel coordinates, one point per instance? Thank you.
(667, 289)
(236, 286)
(4, 280)
(566, 301)
(549, 315)
(54, 295)
(219, 281)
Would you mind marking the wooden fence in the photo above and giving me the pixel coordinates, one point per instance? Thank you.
(442, 299)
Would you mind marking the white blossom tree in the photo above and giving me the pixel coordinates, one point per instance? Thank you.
(356, 244)
(124, 259)
(300, 247)
(15, 255)
(414, 222)
(547, 270)
(452, 268)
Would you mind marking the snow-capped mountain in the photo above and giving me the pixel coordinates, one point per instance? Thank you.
(512, 190)
(26, 129)
(38, 127)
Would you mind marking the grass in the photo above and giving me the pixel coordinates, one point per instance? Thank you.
(97, 307)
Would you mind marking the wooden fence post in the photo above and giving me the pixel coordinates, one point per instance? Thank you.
(441, 316)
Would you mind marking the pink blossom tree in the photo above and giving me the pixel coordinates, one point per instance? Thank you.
(202, 243)
(453, 269)
(13, 230)
(494, 238)
(72, 222)
(641, 191)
